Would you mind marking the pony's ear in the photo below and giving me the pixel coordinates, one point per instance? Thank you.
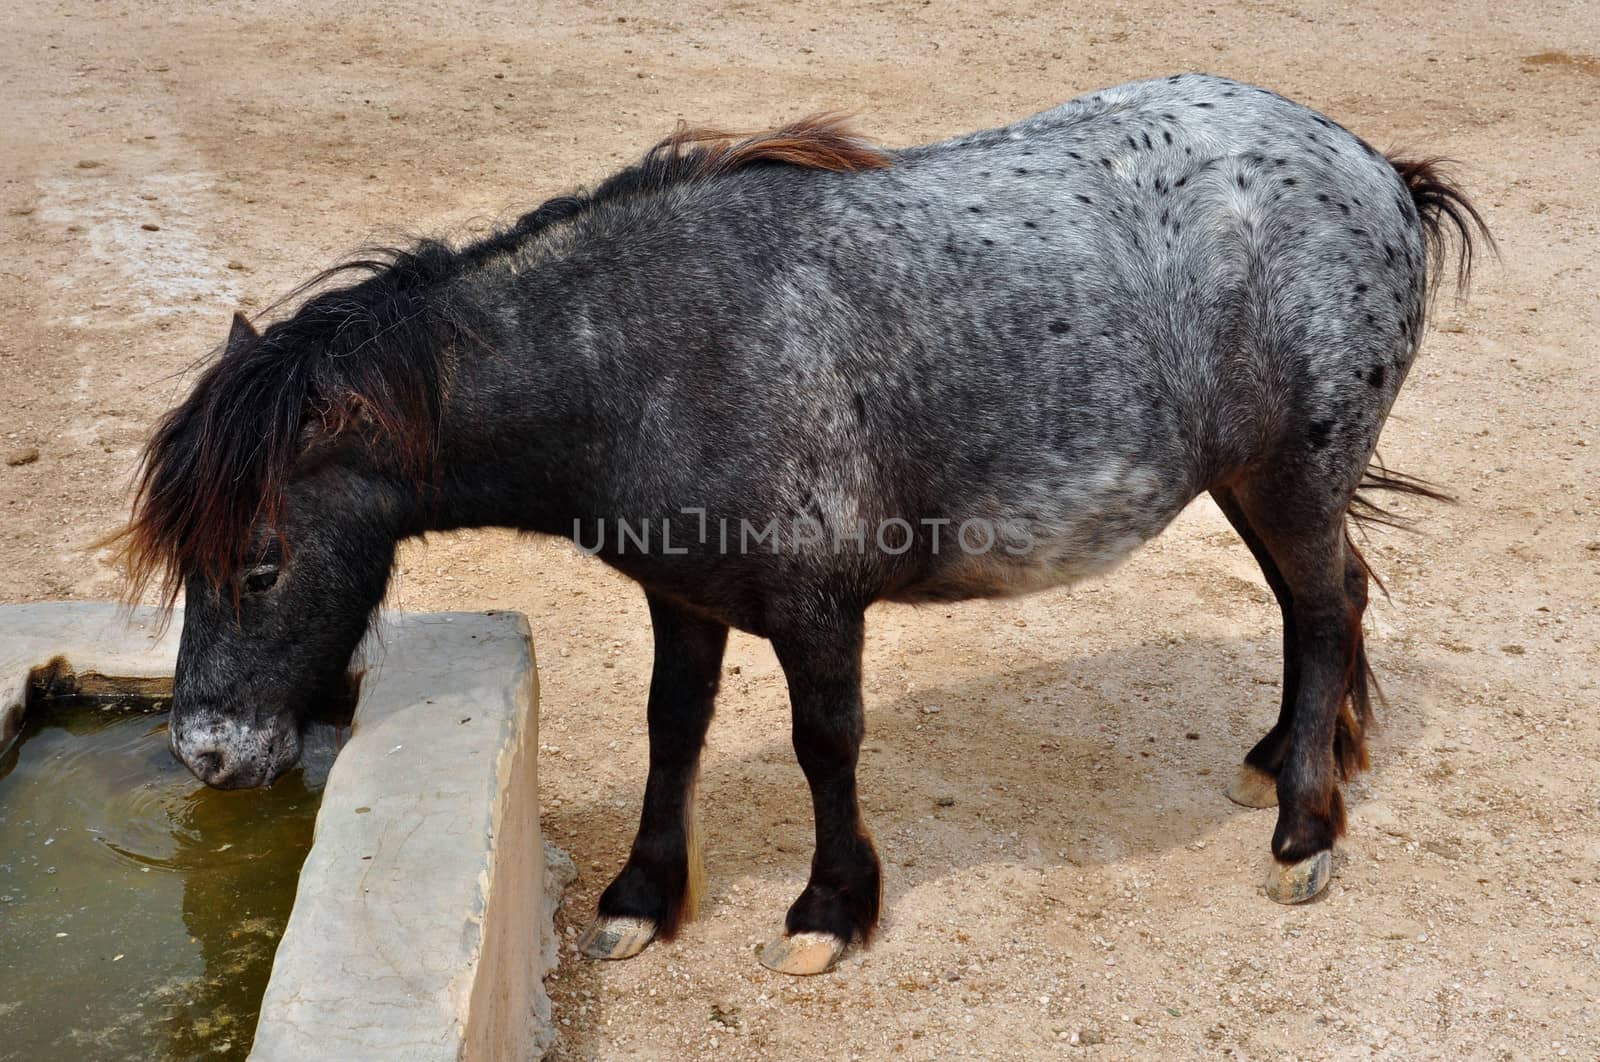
(241, 333)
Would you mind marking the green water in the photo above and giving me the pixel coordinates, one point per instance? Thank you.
(139, 910)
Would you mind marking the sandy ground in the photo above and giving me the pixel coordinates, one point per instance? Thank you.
(1063, 873)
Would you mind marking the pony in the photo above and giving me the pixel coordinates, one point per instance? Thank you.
(778, 378)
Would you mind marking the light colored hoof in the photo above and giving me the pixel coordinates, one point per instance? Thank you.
(802, 954)
(1253, 788)
(1299, 882)
(616, 938)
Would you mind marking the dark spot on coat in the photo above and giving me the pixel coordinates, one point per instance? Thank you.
(1319, 433)
(1059, 327)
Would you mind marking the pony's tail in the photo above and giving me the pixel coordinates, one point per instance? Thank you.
(1361, 687)
(1443, 212)
(1443, 206)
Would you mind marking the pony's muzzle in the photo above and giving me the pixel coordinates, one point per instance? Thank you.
(227, 755)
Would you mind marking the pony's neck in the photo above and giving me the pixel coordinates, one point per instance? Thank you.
(519, 432)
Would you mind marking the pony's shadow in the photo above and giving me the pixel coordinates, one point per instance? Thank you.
(1088, 760)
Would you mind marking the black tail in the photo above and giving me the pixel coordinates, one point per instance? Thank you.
(1361, 688)
(1439, 200)
(1365, 512)
(1439, 203)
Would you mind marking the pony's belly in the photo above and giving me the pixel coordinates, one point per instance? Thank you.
(1085, 525)
(1008, 571)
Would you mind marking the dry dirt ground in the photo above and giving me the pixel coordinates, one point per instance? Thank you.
(1063, 874)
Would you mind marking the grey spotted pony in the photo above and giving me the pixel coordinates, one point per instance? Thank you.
(777, 379)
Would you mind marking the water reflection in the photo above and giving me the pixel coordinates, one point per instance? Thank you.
(139, 910)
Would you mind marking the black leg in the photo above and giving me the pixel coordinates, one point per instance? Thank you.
(1328, 587)
(1254, 786)
(840, 903)
(658, 888)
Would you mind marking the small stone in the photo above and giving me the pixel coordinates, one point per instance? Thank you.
(88, 164)
(25, 456)
(235, 264)
(944, 801)
(1444, 849)
(1090, 1037)
(932, 709)
(150, 226)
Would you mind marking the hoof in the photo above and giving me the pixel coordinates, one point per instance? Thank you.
(1253, 788)
(1299, 882)
(616, 937)
(802, 954)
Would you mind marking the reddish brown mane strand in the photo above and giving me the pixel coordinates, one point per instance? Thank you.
(817, 142)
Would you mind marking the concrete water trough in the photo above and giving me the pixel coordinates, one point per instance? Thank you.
(420, 919)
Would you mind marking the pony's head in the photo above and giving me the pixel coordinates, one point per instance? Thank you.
(273, 497)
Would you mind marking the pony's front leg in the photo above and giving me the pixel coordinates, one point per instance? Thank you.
(840, 902)
(658, 889)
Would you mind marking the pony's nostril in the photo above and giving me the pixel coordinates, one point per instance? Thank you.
(207, 765)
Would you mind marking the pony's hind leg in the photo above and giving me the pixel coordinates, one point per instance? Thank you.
(658, 888)
(1322, 735)
(1255, 784)
(841, 900)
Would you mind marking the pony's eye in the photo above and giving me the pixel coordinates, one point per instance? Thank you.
(260, 579)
